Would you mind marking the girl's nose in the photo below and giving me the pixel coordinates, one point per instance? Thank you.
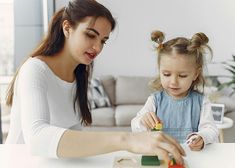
(174, 80)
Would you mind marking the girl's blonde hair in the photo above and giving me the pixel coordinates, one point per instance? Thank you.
(195, 47)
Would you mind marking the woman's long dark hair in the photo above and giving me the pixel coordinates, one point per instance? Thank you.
(53, 43)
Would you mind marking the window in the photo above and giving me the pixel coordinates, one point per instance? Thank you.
(6, 38)
(6, 59)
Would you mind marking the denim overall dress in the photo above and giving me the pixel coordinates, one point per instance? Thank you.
(180, 117)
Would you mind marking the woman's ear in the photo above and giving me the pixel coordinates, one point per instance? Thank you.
(66, 28)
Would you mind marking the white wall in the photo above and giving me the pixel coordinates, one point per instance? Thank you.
(129, 52)
(28, 28)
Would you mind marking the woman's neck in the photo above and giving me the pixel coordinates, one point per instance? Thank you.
(61, 66)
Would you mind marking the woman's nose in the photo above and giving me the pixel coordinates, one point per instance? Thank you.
(97, 46)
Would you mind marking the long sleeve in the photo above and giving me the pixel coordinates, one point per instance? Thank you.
(42, 109)
(149, 106)
(38, 133)
(207, 128)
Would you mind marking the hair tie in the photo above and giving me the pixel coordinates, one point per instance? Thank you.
(160, 46)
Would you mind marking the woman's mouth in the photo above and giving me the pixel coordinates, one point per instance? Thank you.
(91, 55)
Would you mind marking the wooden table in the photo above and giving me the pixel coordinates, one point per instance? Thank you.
(219, 155)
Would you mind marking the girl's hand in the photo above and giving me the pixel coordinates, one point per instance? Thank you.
(155, 143)
(197, 143)
(149, 120)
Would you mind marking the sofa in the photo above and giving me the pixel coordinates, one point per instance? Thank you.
(127, 95)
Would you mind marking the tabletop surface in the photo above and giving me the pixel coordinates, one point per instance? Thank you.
(219, 155)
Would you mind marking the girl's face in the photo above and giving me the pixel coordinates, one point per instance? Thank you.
(177, 72)
(85, 42)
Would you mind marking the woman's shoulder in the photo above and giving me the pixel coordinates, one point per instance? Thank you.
(34, 64)
(34, 67)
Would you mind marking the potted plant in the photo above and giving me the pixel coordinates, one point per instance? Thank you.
(230, 66)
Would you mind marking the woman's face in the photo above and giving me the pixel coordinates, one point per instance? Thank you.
(86, 41)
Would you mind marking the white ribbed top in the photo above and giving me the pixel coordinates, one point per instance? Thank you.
(42, 108)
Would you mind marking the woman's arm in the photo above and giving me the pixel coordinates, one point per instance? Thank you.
(31, 90)
(81, 144)
(48, 140)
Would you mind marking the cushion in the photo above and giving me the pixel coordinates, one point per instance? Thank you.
(96, 94)
(108, 83)
(132, 90)
(103, 116)
(125, 113)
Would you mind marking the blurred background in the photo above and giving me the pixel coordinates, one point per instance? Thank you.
(130, 50)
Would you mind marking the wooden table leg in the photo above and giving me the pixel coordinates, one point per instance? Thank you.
(221, 136)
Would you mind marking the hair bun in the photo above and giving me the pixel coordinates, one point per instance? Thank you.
(157, 36)
(198, 40)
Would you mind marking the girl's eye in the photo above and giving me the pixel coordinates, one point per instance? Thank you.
(183, 76)
(166, 74)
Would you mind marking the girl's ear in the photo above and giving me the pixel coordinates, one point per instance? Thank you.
(66, 28)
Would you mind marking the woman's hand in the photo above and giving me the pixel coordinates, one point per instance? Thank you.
(155, 143)
(149, 120)
(197, 143)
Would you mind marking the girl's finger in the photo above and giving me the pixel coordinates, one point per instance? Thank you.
(154, 117)
(143, 122)
(148, 124)
(151, 120)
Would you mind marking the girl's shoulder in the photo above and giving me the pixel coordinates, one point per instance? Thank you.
(195, 93)
(157, 93)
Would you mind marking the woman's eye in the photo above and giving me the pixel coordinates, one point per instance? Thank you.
(90, 35)
(103, 41)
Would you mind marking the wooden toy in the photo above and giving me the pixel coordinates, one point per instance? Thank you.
(150, 161)
(158, 127)
(172, 164)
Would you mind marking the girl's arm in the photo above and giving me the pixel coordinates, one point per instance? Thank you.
(207, 128)
(149, 106)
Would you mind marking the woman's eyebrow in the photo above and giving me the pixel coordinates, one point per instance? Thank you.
(96, 32)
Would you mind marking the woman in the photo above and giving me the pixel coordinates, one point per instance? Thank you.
(49, 92)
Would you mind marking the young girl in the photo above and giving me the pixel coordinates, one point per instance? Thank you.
(178, 103)
(49, 93)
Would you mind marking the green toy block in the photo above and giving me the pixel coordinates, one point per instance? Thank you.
(150, 161)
